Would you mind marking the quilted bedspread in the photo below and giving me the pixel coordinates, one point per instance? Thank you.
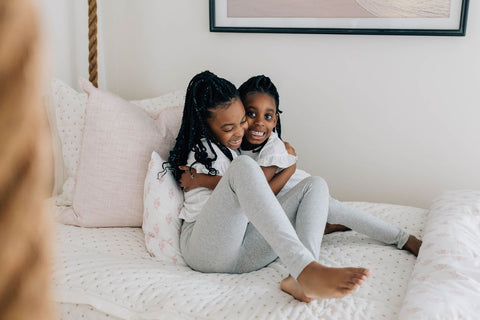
(109, 272)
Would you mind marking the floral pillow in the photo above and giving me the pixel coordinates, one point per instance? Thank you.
(163, 201)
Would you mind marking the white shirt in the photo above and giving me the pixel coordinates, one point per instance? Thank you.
(196, 198)
(274, 153)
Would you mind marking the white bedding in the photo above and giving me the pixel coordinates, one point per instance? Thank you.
(67, 311)
(445, 283)
(104, 271)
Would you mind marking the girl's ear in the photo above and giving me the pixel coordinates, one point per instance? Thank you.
(276, 119)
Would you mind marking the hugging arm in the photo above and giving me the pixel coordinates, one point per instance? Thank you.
(191, 179)
(278, 181)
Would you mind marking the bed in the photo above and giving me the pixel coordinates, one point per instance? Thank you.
(110, 271)
(108, 265)
(107, 273)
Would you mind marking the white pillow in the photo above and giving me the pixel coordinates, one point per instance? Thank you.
(69, 108)
(163, 201)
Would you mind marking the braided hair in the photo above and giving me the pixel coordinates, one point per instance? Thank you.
(205, 92)
(262, 84)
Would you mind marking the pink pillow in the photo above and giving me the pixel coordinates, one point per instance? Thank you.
(118, 139)
(163, 201)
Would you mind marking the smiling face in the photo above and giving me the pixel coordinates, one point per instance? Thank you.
(228, 124)
(261, 117)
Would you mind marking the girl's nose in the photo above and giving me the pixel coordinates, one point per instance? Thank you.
(258, 121)
(244, 126)
(239, 132)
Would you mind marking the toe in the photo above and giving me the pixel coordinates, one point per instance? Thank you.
(345, 291)
(359, 277)
(359, 281)
(366, 272)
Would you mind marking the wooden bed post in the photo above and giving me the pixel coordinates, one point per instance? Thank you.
(92, 42)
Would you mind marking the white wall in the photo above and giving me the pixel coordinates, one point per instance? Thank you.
(381, 118)
(66, 30)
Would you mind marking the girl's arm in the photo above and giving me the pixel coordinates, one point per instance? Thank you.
(191, 179)
(278, 181)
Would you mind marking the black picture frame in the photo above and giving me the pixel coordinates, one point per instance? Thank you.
(457, 23)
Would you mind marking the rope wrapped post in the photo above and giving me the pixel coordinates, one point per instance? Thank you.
(92, 42)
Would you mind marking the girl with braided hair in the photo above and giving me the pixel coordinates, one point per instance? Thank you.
(240, 226)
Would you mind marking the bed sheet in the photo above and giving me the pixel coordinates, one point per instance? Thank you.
(109, 271)
(69, 311)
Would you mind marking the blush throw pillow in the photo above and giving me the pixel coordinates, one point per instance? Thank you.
(117, 141)
(163, 201)
(68, 121)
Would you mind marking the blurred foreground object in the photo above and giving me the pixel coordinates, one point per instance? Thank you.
(25, 168)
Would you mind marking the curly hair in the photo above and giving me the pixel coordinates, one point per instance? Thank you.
(262, 84)
(205, 92)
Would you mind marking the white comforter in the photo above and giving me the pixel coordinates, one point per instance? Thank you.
(109, 271)
(445, 282)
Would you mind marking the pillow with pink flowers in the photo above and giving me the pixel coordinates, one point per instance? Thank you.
(163, 200)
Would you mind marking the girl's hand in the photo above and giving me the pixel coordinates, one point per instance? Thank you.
(189, 179)
(290, 149)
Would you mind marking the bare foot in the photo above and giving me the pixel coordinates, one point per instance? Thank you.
(292, 287)
(318, 281)
(413, 245)
(329, 228)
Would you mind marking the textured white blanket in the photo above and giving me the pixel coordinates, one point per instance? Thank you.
(110, 270)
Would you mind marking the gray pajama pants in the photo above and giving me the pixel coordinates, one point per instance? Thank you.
(362, 222)
(243, 227)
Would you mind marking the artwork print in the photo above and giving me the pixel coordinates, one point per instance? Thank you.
(403, 17)
(339, 8)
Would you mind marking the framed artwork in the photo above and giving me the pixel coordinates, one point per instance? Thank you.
(381, 17)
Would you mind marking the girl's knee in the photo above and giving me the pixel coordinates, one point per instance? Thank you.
(243, 171)
(317, 182)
